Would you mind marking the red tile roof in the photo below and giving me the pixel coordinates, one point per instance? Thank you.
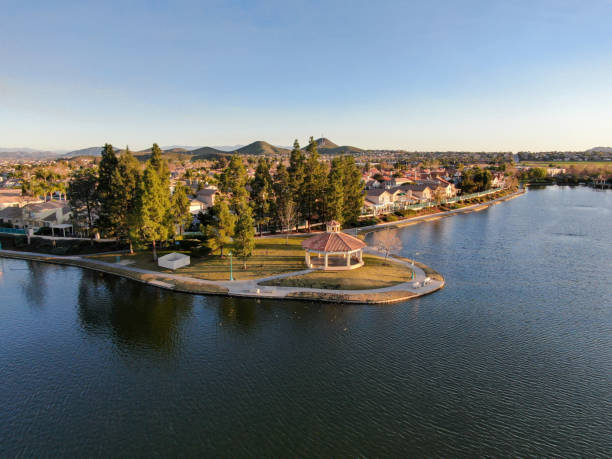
(333, 242)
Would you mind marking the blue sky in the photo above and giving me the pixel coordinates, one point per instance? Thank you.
(430, 75)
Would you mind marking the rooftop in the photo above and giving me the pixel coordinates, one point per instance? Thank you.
(333, 242)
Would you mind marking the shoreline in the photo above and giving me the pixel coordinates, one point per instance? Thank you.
(434, 216)
(250, 288)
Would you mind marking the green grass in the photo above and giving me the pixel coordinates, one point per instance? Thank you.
(376, 273)
(271, 257)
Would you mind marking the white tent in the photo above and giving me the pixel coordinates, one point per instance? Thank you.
(173, 260)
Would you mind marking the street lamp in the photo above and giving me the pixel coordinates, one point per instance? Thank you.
(231, 266)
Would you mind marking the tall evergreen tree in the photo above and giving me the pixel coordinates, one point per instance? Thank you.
(106, 169)
(353, 191)
(152, 208)
(124, 188)
(244, 237)
(159, 163)
(261, 193)
(282, 191)
(220, 233)
(314, 184)
(334, 192)
(83, 200)
(233, 180)
(296, 171)
(179, 209)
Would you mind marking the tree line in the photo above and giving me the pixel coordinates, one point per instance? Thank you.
(121, 200)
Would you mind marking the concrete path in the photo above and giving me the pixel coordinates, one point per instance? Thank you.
(251, 287)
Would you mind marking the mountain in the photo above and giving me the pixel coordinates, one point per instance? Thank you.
(23, 153)
(261, 148)
(175, 150)
(327, 147)
(325, 143)
(227, 147)
(90, 151)
(600, 150)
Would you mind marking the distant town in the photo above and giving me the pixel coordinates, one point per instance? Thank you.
(98, 192)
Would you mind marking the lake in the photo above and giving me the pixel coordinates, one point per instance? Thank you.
(512, 358)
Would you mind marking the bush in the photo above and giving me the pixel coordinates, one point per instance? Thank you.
(188, 244)
(389, 218)
(200, 251)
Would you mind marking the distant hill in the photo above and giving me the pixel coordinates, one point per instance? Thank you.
(90, 151)
(600, 150)
(147, 151)
(325, 143)
(27, 153)
(327, 147)
(227, 147)
(261, 148)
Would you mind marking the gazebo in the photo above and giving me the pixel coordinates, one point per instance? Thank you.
(338, 250)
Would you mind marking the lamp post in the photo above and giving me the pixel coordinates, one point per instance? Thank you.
(231, 266)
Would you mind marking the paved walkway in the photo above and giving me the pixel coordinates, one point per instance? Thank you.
(251, 287)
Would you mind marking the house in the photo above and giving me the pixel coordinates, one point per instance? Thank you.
(13, 197)
(378, 201)
(196, 206)
(45, 214)
(207, 196)
(422, 192)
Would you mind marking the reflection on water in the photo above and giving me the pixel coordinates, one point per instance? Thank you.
(512, 358)
(116, 305)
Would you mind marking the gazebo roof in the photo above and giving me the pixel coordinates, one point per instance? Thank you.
(333, 242)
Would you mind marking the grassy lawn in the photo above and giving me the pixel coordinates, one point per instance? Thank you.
(376, 273)
(271, 257)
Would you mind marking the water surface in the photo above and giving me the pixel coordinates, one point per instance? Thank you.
(513, 357)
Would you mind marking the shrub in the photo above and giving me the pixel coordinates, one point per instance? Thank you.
(188, 244)
(200, 251)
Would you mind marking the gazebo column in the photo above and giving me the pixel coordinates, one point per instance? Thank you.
(307, 258)
(325, 266)
(348, 259)
(360, 256)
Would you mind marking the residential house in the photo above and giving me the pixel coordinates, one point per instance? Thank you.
(207, 196)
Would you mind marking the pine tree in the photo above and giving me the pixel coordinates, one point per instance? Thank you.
(220, 233)
(313, 186)
(124, 188)
(158, 162)
(244, 237)
(233, 180)
(108, 165)
(282, 191)
(353, 191)
(83, 200)
(152, 208)
(296, 171)
(334, 193)
(261, 193)
(180, 208)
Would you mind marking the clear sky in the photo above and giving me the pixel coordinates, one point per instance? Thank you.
(429, 75)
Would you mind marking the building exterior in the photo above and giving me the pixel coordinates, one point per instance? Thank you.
(339, 251)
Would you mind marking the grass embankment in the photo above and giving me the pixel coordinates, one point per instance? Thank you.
(179, 285)
(271, 256)
(376, 273)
